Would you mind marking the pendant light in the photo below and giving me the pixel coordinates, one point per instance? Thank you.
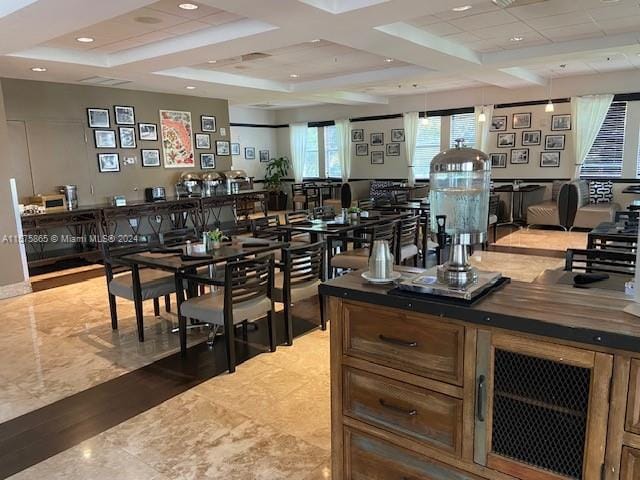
(549, 108)
(482, 117)
(425, 120)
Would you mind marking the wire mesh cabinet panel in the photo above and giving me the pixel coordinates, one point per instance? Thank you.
(541, 408)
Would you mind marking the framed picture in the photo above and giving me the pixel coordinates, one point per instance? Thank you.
(222, 147)
(377, 157)
(549, 159)
(98, 117)
(148, 131)
(203, 141)
(105, 138)
(498, 124)
(397, 135)
(207, 123)
(521, 120)
(357, 135)
(124, 115)
(377, 139)
(362, 149)
(532, 137)
(554, 142)
(108, 162)
(150, 158)
(520, 156)
(127, 137)
(207, 161)
(561, 122)
(235, 149)
(264, 156)
(498, 160)
(393, 149)
(506, 140)
(249, 153)
(177, 139)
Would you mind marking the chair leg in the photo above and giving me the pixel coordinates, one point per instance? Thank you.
(114, 311)
(137, 301)
(323, 320)
(288, 324)
(245, 331)
(167, 303)
(182, 321)
(156, 307)
(272, 331)
(231, 348)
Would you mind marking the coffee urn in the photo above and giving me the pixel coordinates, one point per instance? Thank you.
(70, 193)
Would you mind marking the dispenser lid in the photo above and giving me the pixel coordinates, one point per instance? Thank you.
(460, 159)
(189, 176)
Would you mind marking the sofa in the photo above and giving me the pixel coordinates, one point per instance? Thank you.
(591, 203)
(554, 212)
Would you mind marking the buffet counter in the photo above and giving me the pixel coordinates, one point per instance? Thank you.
(531, 382)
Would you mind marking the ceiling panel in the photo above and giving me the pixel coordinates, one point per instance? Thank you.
(484, 20)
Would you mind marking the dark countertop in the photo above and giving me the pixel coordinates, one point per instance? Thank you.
(589, 316)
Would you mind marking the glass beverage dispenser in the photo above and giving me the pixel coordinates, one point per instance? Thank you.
(459, 194)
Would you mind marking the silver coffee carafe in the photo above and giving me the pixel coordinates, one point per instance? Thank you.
(381, 260)
(70, 193)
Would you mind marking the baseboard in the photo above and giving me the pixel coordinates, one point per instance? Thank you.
(15, 290)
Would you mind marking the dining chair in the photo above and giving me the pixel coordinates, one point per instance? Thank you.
(627, 216)
(401, 197)
(298, 216)
(492, 221)
(301, 272)
(601, 261)
(266, 227)
(324, 212)
(366, 204)
(298, 196)
(246, 297)
(407, 241)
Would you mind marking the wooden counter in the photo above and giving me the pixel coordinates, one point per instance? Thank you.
(534, 382)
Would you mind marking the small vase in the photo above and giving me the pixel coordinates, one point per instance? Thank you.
(216, 244)
(354, 216)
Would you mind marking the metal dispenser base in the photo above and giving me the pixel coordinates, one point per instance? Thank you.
(457, 273)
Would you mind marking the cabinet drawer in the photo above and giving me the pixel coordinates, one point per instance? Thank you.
(630, 467)
(632, 423)
(368, 458)
(419, 414)
(412, 343)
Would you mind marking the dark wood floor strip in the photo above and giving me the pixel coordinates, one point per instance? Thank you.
(43, 433)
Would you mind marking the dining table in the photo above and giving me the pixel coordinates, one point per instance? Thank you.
(614, 283)
(176, 260)
(518, 201)
(611, 232)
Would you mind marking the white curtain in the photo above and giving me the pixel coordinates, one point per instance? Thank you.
(343, 132)
(298, 145)
(588, 114)
(482, 128)
(410, 120)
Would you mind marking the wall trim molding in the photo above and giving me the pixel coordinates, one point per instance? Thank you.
(256, 125)
(15, 290)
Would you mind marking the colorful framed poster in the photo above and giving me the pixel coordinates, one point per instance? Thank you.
(177, 139)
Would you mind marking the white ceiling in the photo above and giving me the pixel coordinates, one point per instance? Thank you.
(284, 53)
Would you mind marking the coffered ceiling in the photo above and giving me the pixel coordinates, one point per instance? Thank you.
(284, 53)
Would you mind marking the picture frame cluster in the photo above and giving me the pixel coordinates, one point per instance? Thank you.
(377, 139)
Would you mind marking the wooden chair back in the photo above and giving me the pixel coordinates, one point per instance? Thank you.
(303, 264)
(266, 227)
(384, 231)
(366, 204)
(401, 197)
(297, 216)
(600, 261)
(245, 280)
(407, 231)
(324, 211)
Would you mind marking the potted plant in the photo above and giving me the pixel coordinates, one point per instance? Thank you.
(277, 170)
(215, 239)
(355, 213)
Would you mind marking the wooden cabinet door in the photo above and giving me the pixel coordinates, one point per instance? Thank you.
(630, 467)
(541, 408)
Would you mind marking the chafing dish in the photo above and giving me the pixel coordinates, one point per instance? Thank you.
(237, 180)
(210, 182)
(189, 185)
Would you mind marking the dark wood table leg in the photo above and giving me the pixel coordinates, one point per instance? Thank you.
(137, 300)
(182, 321)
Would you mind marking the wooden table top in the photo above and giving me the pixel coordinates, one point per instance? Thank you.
(335, 226)
(592, 316)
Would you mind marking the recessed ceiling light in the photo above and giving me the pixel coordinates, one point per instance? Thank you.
(188, 6)
(190, 87)
(315, 40)
(388, 60)
(516, 39)
(462, 8)
(294, 75)
(212, 61)
(84, 39)
(38, 69)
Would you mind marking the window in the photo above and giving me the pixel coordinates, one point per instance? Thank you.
(332, 168)
(427, 147)
(605, 157)
(311, 163)
(463, 125)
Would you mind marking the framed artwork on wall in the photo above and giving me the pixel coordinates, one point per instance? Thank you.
(531, 137)
(148, 132)
(98, 117)
(249, 153)
(393, 149)
(498, 160)
(521, 120)
(108, 162)
(397, 135)
(362, 149)
(561, 122)
(498, 123)
(223, 147)
(264, 156)
(207, 161)
(554, 142)
(377, 158)
(127, 137)
(549, 159)
(207, 123)
(177, 139)
(235, 149)
(377, 139)
(203, 141)
(357, 135)
(124, 115)
(150, 157)
(506, 140)
(105, 138)
(519, 156)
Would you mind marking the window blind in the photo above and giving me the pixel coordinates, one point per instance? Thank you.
(604, 160)
(463, 125)
(427, 147)
(311, 162)
(331, 157)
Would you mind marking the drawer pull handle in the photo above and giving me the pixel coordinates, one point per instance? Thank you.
(395, 408)
(398, 341)
(480, 399)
